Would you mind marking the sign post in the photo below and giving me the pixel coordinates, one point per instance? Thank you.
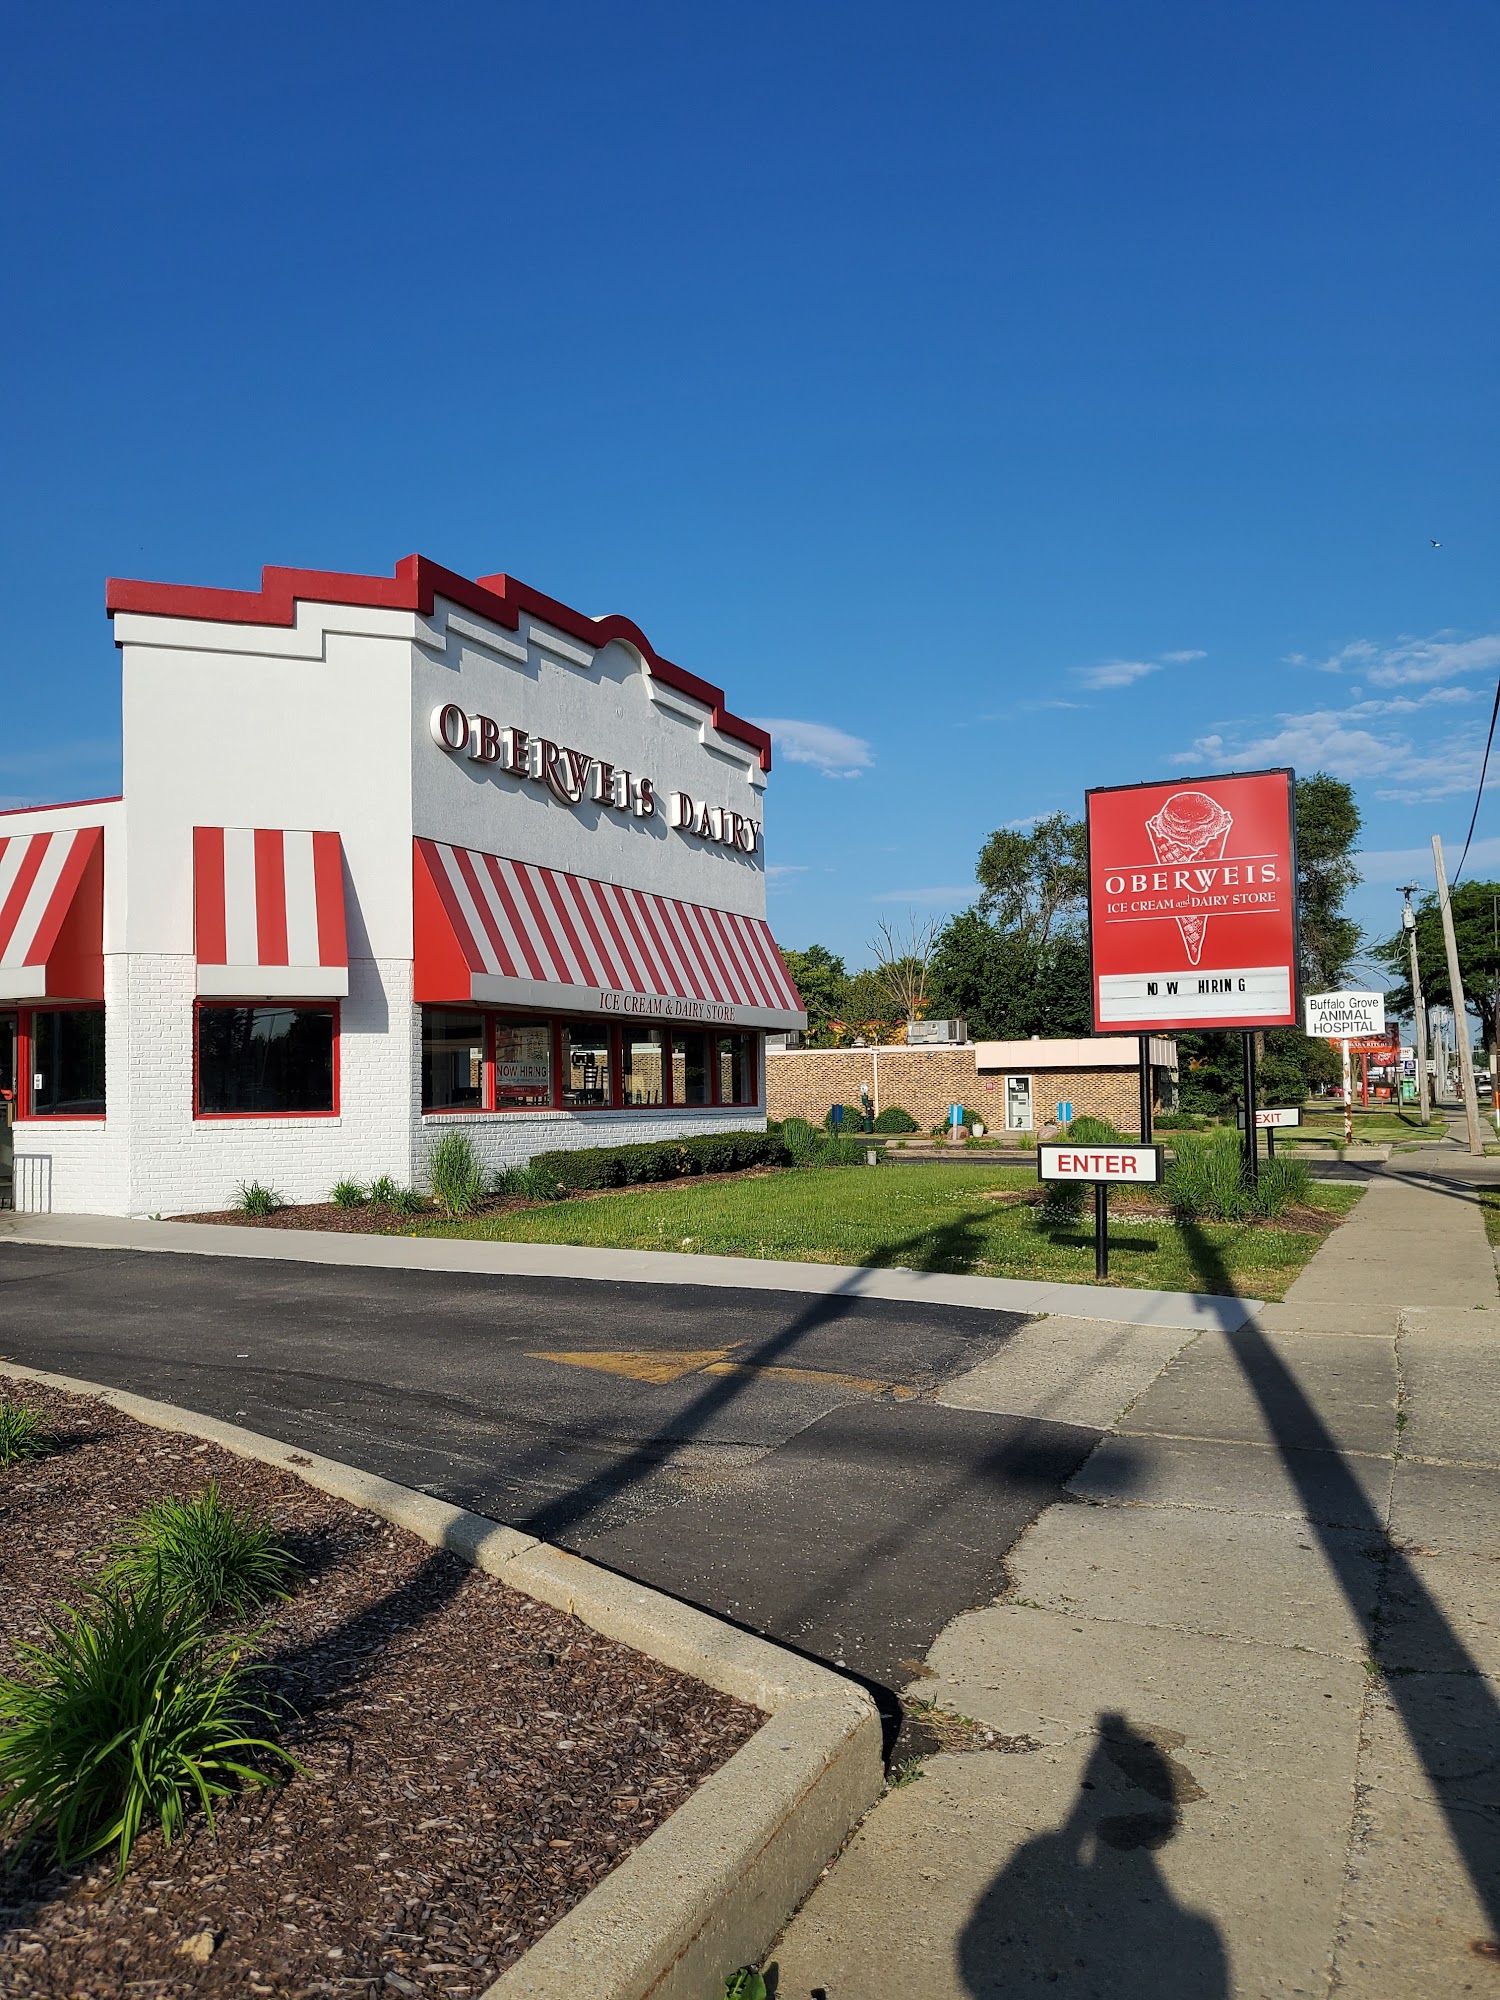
(955, 1119)
(1125, 1162)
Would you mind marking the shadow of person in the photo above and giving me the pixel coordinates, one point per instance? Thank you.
(1085, 1911)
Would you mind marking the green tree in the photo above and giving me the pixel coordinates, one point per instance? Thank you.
(871, 1009)
(819, 976)
(1007, 986)
(1473, 905)
(1328, 824)
(1035, 882)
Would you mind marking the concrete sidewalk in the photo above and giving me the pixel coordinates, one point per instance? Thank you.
(1241, 1692)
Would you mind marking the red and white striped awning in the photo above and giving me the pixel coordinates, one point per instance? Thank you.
(514, 933)
(268, 910)
(52, 915)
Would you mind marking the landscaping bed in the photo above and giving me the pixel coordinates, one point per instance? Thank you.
(473, 1761)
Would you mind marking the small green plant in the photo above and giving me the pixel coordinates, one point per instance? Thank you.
(1026, 1141)
(23, 1434)
(253, 1199)
(907, 1772)
(204, 1553)
(800, 1140)
(1280, 1184)
(406, 1201)
(454, 1174)
(383, 1191)
(350, 1194)
(746, 1984)
(125, 1716)
(1087, 1131)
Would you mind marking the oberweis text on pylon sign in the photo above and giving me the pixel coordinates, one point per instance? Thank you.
(1193, 903)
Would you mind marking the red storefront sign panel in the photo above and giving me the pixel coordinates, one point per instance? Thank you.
(1193, 904)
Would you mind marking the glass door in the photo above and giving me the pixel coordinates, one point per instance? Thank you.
(7, 1110)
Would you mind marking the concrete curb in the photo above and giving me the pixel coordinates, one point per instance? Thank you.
(711, 1888)
(1120, 1303)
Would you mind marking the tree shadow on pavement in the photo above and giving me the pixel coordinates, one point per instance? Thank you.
(1086, 1910)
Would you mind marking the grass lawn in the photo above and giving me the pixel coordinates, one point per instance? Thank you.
(1489, 1208)
(939, 1218)
(1387, 1126)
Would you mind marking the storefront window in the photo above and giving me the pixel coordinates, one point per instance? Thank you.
(690, 1069)
(67, 1063)
(586, 1079)
(452, 1060)
(735, 1083)
(642, 1073)
(523, 1065)
(265, 1059)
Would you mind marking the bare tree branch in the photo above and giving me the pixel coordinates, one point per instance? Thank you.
(903, 955)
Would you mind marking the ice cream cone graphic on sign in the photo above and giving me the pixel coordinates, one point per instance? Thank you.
(1190, 826)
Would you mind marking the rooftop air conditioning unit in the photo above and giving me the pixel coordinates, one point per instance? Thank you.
(793, 1038)
(925, 1033)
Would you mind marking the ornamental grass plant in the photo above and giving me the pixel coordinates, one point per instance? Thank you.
(123, 1716)
(203, 1554)
(23, 1434)
(1205, 1180)
(454, 1174)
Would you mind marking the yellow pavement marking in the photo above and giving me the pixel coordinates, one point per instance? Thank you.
(670, 1364)
(641, 1364)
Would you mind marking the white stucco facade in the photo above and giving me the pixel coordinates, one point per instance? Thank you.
(311, 706)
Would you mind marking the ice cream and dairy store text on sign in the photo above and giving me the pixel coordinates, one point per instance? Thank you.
(1193, 903)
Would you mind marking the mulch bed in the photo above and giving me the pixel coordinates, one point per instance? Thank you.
(476, 1761)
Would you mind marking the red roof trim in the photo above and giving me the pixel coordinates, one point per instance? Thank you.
(60, 805)
(415, 585)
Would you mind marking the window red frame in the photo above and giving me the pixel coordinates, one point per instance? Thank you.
(201, 1006)
(671, 1034)
(24, 1106)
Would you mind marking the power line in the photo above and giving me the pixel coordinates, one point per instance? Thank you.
(1483, 769)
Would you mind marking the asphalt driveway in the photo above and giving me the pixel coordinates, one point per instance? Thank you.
(772, 1456)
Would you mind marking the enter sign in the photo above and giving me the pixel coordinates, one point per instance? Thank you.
(1058, 1162)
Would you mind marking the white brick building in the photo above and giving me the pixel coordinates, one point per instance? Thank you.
(392, 852)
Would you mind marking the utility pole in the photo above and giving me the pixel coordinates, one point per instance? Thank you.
(1460, 1006)
(1409, 925)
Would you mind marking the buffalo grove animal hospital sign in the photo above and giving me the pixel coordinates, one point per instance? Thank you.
(1193, 903)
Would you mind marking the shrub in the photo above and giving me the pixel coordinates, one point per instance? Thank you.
(125, 1716)
(563, 1173)
(454, 1173)
(1180, 1121)
(253, 1199)
(1281, 1183)
(841, 1153)
(894, 1119)
(1026, 1141)
(203, 1553)
(1205, 1179)
(1091, 1132)
(350, 1194)
(800, 1140)
(23, 1434)
(405, 1201)
(1061, 1203)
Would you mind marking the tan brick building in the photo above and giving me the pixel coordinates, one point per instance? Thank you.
(1010, 1086)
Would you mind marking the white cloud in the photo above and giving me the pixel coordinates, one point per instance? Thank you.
(1410, 662)
(1118, 673)
(1181, 659)
(779, 870)
(832, 751)
(1331, 740)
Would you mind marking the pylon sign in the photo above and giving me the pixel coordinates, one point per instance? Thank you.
(1193, 903)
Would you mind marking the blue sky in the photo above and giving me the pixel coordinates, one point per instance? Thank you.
(999, 399)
